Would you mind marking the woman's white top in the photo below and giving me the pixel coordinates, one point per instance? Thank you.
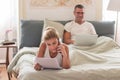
(58, 56)
(76, 29)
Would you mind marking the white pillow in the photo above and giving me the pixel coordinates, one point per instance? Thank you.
(57, 25)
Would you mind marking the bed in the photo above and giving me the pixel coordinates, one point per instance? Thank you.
(97, 62)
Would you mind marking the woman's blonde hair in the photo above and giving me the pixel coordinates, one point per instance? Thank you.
(50, 33)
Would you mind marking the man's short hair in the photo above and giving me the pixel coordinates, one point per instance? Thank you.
(79, 6)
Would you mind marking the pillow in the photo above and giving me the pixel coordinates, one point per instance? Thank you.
(30, 33)
(104, 28)
(57, 25)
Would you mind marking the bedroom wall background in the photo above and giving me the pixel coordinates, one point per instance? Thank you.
(59, 9)
(56, 10)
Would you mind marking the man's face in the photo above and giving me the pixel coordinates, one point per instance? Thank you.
(79, 14)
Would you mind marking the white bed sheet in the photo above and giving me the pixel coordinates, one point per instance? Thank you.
(98, 62)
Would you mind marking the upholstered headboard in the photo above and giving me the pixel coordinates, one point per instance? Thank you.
(104, 28)
(31, 31)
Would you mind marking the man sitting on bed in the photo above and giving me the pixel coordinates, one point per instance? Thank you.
(77, 26)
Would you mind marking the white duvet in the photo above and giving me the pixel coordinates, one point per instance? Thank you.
(98, 62)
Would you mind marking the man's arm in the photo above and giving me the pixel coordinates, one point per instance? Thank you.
(67, 37)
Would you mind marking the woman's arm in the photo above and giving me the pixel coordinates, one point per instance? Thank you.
(65, 56)
(42, 49)
(41, 52)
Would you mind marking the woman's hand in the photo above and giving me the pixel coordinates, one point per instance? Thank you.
(37, 67)
(61, 49)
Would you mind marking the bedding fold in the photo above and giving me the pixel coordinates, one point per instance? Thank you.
(25, 50)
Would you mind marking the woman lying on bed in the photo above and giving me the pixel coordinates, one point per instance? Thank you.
(52, 48)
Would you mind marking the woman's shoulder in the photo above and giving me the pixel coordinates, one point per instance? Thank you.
(43, 44)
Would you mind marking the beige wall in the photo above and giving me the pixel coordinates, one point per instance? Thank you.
(26, 12)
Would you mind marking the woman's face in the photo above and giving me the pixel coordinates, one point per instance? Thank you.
(52, 44)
